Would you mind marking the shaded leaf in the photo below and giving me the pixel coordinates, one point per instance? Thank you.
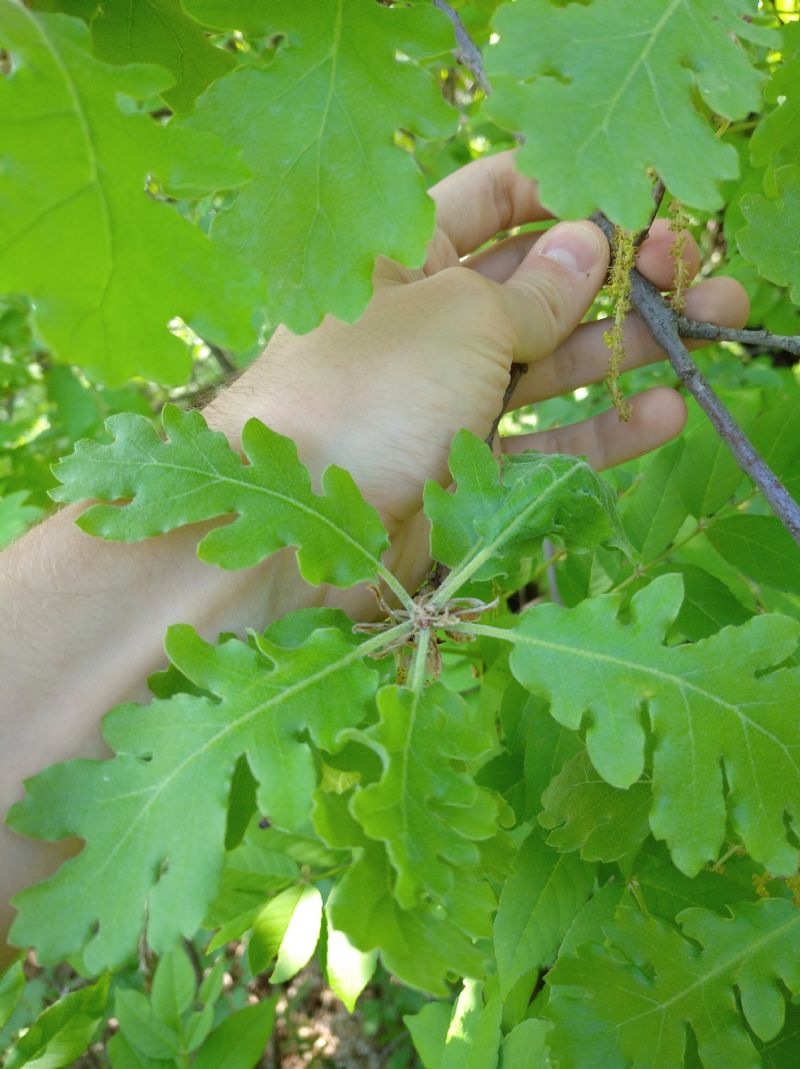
(761, 547)
(706, 707)
(63, 1031)
(583, 812)
(632, 1006)
(239, 1041)
(768, 240)
(537, 905)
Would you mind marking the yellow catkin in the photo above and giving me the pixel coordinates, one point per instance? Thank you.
(678, 224)
(624, 254)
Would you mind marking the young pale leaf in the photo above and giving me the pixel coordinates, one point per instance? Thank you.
(424, 945)
(159, 31)
(768, 240)
(348, 970)
(122, 1055)
(537, 906)
(495, 518)
(173, 986)
(142, 1027)
(428, 811)
(63, 1031)
(604, 92)
(288, 926)
(153, 818)
(195, 475)
(584, 812)
(331, 192)
(707, 708)
(464, 1037)
(106, 265)
(239, 1042)
(632, 1006)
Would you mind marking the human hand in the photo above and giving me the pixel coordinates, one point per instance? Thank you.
(432, 353)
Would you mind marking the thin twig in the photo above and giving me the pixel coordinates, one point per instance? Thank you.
(662, 323)
(468, 52)
(691, 328)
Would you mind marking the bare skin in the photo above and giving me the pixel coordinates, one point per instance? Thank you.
(84, 620)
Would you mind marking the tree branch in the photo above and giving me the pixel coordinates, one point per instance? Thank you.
(691, 328)
(468, 52)
(663, 325)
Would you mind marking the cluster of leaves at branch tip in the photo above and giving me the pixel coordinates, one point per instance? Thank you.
(623, 255)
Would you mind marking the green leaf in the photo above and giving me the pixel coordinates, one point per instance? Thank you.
(427, 810)
(15, 516)
(768, 239)
(239, 1041)
(604, 92)
(705, 705)
(495, 519)
(122, 1055)
(708, 604)
(331, 191)
(142, 1027)
(654, 511)
(348, 970)
(288, 926)
(525, 1047)
(584, 812)
(537, 905)
(11, 984)
(173, 986)
(428, 1030)
(196, 1028)
(761, 547)
(159, 31)
(778, 132)
(423, 945)
(154, 817)
(107, 265)
(631, 1006)
(63, 1031)
(707, 476)
(466, 1037)
(195, 475)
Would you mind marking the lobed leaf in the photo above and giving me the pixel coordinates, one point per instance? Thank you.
(768, 240)
(497, 517)
(631, 1006)
(712, 706)
(107, 265)
(195, 475)
(603, 92)
(583, 812)
(153, 818)
(331, 190)
(426, 807)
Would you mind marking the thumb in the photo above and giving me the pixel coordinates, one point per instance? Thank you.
(554, 286)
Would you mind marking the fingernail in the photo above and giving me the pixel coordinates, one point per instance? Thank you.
(573, 245)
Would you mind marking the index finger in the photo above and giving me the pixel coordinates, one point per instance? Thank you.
(486, 196)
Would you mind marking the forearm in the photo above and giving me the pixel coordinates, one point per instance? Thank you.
(82, 627)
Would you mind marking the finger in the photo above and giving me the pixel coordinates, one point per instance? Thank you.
(486, 196)
(653, 259)
(655, 262)
(658, 415)
(501, 260)
(554, 286)
(583, 357)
